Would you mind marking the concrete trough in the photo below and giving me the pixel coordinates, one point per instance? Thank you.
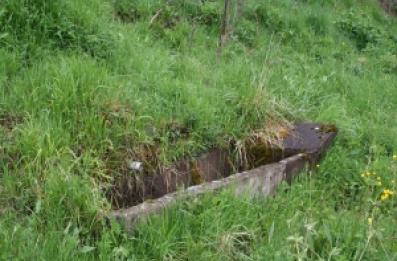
(302, 149)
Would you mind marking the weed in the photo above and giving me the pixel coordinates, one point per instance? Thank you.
(82, 93)
(27, 25)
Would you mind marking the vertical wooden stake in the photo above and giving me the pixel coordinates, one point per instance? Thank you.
(224, 32)
(240, 6)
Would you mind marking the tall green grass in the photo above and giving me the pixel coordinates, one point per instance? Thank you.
(30, 27)
(86, 86)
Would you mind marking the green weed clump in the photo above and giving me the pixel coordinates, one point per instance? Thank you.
(361, 30)
(175, 22)
(168, 13)
(29, 25)
(162, 89)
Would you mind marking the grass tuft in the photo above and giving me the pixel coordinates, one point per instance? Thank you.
(86, 86)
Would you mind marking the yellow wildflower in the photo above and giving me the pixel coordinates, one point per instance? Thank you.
(394, 157)
(383, 197)
(379, 183)
(387, 193)
(370, 221)
(378, 178)
(318, 165)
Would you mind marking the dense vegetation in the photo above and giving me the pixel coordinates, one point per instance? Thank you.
(87, 85)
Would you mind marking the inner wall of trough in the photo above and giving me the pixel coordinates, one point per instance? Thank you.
(130, 190)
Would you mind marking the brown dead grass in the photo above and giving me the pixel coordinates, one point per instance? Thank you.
(8, 121)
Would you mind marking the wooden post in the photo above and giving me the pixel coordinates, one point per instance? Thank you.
(224, 30)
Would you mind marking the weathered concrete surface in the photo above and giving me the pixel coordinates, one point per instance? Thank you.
(262, 181)
(310, 139)
(294, 165)
(259, 182)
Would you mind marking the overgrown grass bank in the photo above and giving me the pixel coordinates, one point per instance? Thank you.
(86, 86)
